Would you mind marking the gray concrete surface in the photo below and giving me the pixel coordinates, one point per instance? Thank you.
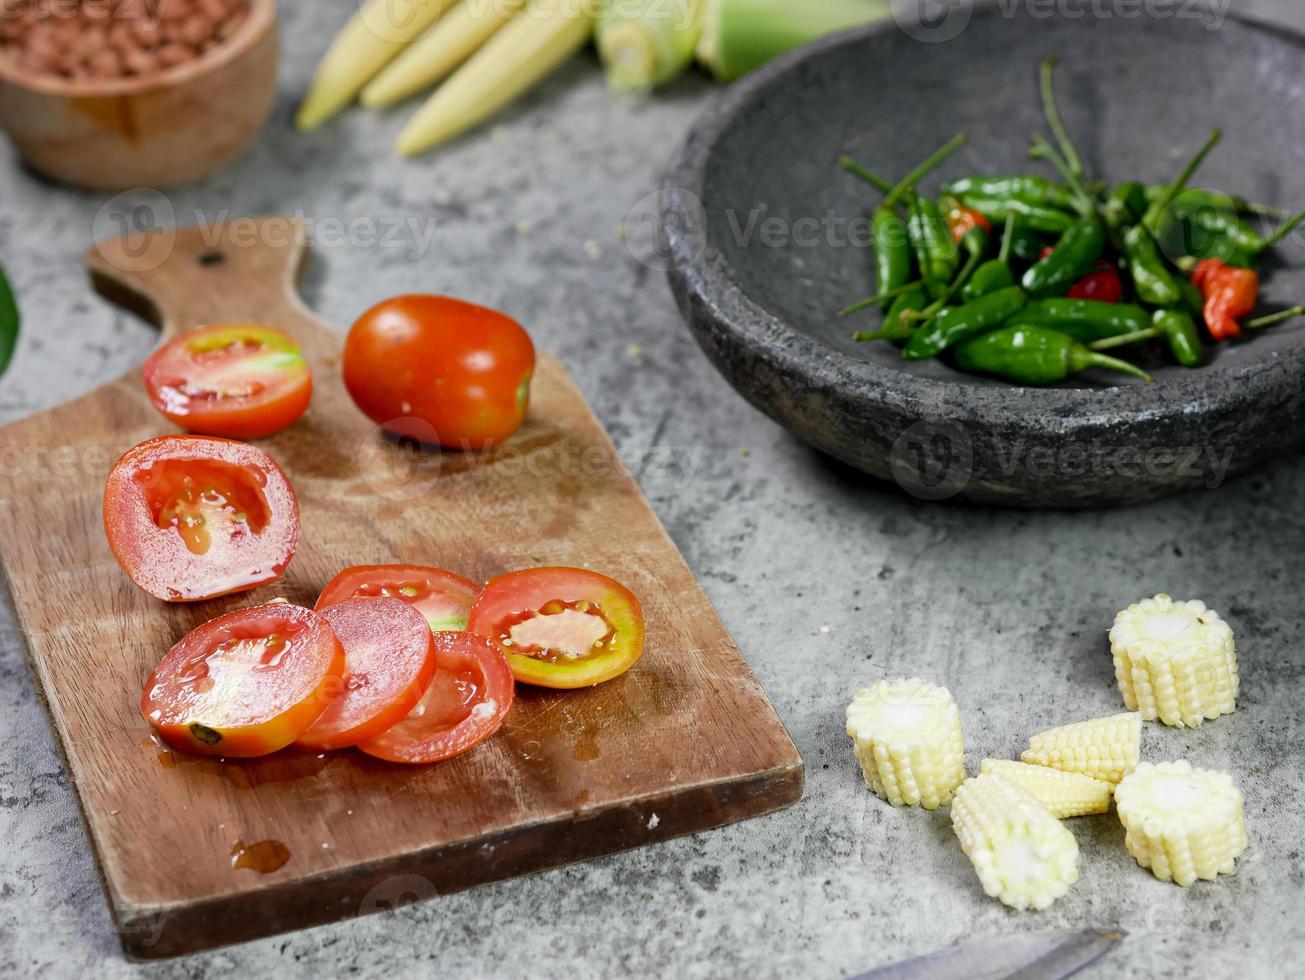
(826, 580)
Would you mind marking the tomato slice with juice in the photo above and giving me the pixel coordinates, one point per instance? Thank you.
(242, 380)
(561, 627)
(389, 659)
(245, 684)
(442, 597)
(194, 517)
(466, 702)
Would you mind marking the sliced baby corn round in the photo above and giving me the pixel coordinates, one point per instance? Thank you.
(907, 736)
(1103, 748)
(1024, 856)
(1065, 794)
(1182, 822)
(1175, 661)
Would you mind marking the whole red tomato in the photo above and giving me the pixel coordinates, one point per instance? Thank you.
(440, 370)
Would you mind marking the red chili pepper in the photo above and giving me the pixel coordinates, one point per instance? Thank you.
(962, 221)
(1230, 294)
(1102, 284)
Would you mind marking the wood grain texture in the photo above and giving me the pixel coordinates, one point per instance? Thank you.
(684, 742)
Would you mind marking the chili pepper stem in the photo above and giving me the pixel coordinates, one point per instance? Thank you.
(1052, 109)
(1084, 358)
(1160, 207)
(896, 191)
(869, 176)
(1042, 150)
(1292, 224)
(927, 315)
(1124, 339)
(931, 162)
(1275, 318)
(1007, 240)
(876, 300)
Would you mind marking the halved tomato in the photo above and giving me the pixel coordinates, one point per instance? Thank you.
(561, 627)
(244, 684)
(442, 597)
(466, 702)
(193, 517)
(240, 380)
(389, 659)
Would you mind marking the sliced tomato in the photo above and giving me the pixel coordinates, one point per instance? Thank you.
(193, 517)
(465, 703)
(245, 684)
(389, 659)
(442, 597)
(240, 380)
(561, 627)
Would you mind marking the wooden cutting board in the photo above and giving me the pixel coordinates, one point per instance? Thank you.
(684, 742)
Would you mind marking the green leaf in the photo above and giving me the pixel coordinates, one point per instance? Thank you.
(8, 322)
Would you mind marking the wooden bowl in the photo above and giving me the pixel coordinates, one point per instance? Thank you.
(172, 128)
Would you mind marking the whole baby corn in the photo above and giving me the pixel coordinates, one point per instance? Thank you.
(1024, 856)
(1103, 748)
(1182, 822)
(1065, 794)
(907, 736)
(1175, 661)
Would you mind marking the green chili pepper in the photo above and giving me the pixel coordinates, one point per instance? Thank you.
(1078, 250)
(1152, 280)
(1182, 234)
(935, 252)
(1033, 216)
(955, 323)
(1179, 331)
(1125, 205)
(994, 274)
(1193, 298)
(897, 326)
(1035, 356)
(890, 234)
(1086, 320)
(988, 278)
(1035, 191)
(9, 321)
(1026, 243)
(892, 247)
(1197, 197)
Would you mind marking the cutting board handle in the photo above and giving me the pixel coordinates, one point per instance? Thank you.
(235, 270)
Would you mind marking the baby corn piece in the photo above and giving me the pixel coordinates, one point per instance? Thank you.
(1182, 822)
(1103, 748)
(459, 34)
(907, 736)
(1024, 856)
(375, 34)
(1065, 794)
(1175, 661)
